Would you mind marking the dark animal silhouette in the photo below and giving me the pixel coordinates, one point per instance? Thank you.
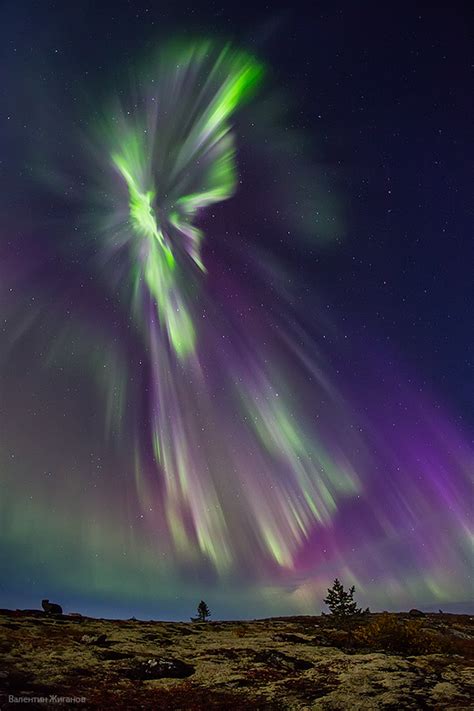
(51, 607)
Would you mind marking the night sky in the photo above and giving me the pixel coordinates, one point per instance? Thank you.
(261, 378)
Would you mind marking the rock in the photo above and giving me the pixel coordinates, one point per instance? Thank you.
(460, 635)
(99, 639)
(111, 654)
(52, 608)
(416, 613)
(292, 638)
(444, 690)
(278, 660)
(159, 668)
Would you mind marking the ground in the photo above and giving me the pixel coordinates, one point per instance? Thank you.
(390, 662)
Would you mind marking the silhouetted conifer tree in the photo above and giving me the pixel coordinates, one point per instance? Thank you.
(341, 602)
(203, 613)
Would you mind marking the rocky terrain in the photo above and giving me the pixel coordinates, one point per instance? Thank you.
(378, 661)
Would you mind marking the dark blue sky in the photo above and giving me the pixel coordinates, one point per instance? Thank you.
(383, 89)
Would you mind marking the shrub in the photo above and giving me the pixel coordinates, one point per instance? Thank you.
(392, 635)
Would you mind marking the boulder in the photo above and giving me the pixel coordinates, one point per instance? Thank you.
(159, 668)
(416, 613)
(278, 660)
(98, 639)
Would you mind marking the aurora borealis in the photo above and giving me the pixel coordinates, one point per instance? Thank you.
(184, 414)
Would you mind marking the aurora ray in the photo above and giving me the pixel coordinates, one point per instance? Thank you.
(203, 172)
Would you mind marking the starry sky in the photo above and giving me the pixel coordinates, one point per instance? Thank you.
(262, 377)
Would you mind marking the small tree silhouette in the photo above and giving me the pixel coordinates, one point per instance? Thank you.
(341, 602)
(203, 612)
